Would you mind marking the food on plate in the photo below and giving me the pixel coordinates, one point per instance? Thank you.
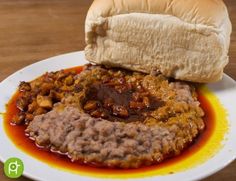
(183, 39)
(134, 107)
(115, 117)
(38, 96)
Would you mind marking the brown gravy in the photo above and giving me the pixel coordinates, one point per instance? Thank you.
(101, 92)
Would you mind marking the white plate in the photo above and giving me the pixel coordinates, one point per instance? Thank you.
(225, 91)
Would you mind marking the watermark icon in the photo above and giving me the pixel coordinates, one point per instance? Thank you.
(13, 168)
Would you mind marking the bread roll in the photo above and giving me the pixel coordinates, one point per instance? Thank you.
(183, 39)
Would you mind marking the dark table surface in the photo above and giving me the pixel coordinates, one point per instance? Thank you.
(34, 30)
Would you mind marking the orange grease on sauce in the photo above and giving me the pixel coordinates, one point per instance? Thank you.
(17, 135)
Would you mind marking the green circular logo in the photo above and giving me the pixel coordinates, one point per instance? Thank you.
(13, 168)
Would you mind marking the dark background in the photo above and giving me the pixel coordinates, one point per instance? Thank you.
(32, 30)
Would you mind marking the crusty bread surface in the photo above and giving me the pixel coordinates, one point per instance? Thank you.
(183, 39)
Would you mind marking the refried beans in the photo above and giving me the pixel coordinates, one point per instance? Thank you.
(112, 117)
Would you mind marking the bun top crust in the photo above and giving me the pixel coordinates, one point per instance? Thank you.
(185, 39)
(206, 12)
